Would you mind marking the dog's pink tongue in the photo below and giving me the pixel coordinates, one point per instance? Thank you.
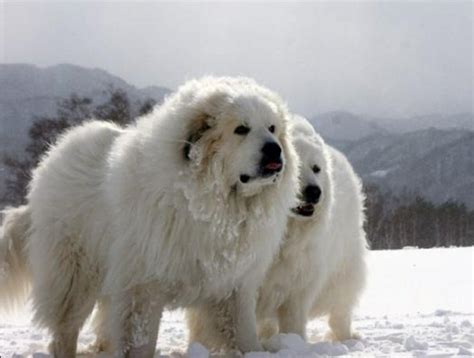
(273, 166)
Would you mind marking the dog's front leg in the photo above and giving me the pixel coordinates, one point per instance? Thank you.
(245, 319)
(137, 315)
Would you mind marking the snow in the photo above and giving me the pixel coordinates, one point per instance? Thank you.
(417, 303)
(382, 173)
(197, 350)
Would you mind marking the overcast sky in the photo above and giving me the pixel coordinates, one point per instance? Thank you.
(386, 59)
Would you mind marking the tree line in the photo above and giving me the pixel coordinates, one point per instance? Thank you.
(393, 221)
(397, 221)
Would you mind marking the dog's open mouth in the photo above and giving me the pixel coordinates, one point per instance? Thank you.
(271, 168)
(267, 170)
(304, 209)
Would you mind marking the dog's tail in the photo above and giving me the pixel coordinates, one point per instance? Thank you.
(15, 275)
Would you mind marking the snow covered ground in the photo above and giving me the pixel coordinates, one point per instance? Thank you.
(417, 303)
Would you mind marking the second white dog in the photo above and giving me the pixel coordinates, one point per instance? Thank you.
(320, 269)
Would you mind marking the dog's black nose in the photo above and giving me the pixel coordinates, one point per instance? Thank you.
(271, 150)
(312, 193)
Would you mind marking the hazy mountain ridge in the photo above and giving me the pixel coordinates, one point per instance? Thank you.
(28, 91)
(431, 155)
(454, 121)
(343, 125)
(438, 164)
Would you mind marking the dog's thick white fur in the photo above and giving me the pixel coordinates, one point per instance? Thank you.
(181, 209)
(320, 269)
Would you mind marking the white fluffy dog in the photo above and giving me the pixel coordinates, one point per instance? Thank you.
(320, 268)
(185, 208)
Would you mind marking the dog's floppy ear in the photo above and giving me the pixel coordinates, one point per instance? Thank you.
(196, 130)
(209, 109)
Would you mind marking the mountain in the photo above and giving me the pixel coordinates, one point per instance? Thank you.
(454, 121)
(28, 91)
(430, 155)
(438, 164)
(346, 126)
(341, 125)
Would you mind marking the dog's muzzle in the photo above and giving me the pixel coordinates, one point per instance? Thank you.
(271, 162)
(311, 196)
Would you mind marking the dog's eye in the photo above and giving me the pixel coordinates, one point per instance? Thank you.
(316, 169)
(242, 130)
(271, 129)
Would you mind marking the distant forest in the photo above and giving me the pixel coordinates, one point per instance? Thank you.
(393, 221)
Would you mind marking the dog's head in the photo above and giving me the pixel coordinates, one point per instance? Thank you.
(315, 170)
(236, 130)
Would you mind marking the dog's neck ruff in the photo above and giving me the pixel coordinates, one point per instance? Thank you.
(212, 200)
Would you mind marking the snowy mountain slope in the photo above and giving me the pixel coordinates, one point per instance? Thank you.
(446, 173)
(438, 164)
(417, 303)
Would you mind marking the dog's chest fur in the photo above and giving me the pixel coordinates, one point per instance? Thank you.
(207, 262)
